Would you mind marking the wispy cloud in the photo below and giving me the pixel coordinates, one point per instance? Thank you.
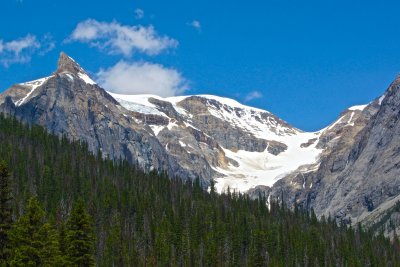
(253, 95)
(21, 50)
(114, 38)
(47, 44)
(142, 78)
(139, 13)
(195, 24)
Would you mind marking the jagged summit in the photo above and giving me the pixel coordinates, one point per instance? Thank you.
(347, 169)
(67, 64)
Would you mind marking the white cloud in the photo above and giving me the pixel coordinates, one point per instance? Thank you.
(16, 46)
(139, 13)
(142, 78)
(114, 38)
(22, 49)
(253, 95)
(195, 24)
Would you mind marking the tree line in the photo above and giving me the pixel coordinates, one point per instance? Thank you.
(32, 240)
(131, 218)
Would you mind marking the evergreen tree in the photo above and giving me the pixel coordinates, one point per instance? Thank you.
(5, 212)
(62, 246)
(153, 220)
(79, 237)
(33, 240)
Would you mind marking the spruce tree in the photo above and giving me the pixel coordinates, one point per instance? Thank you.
(79, 237)
(62, 246)
(167, 222)
(5, 212)
(33, 240)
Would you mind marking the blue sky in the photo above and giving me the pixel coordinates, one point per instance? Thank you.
(305, 61)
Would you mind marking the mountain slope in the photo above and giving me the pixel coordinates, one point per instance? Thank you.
(348, 169)
(257, 147)
(150, 220)
(358, 177)
(194, 136)
(69, 103)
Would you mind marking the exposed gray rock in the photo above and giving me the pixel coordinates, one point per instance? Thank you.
(359, 170)
(357, 176)
(69, 106)
(228, 135)
(67, 64)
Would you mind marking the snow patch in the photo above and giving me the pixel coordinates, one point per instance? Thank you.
(85, 78)
(350, 121)
(263, 168)
(182, 144)
(381, 99)
(138, 103)
(33, 85)
(336, 123)
(69, 76)
(359, 107)
(156, 129)
(223, 100)
(172, 125)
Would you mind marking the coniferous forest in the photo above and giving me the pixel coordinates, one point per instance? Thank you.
(63, 206)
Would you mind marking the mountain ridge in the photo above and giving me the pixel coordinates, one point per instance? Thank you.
(242, 148)
(260, 130)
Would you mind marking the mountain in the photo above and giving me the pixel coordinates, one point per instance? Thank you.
(69, 103)
(358, 178)
(193, 136)
(141, 219)
(243, 146)
(348, 169)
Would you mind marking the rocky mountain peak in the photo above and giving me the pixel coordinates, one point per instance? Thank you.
(349, 169)
(394, 86)
(67, 64)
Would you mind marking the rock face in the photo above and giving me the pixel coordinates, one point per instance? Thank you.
(68, 65)
(349, 170)
(69, 103)
(357, 177)
(187, 137)
(243, 146)
(228, 133)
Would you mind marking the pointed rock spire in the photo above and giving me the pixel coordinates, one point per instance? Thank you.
(67, 64)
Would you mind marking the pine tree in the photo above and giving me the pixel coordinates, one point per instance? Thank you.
(62, 246)
(79, 237)
(151, 220)
(5, 212)
(33, 240)
(114, 247)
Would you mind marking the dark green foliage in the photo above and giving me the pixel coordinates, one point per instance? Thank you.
(5, 212)
(149, 220)
(33, 240)
(79, 237)
(62, 246)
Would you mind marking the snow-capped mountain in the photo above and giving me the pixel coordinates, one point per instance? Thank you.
(257, 147)
(204, 136)
(242, 148)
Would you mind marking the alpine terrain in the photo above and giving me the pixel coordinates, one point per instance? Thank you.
(349, 170)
